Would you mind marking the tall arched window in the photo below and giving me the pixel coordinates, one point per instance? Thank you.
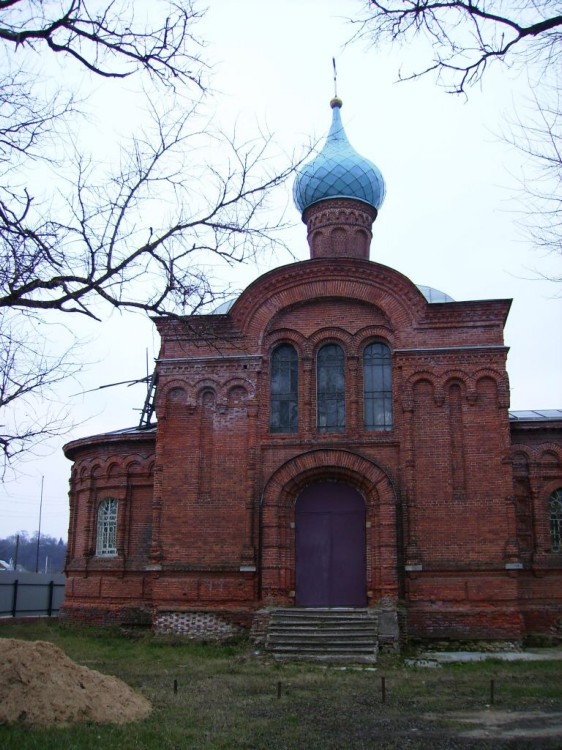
(330, 389)
(106, 540)
(284, 386)
(377, 387)
(555, 511)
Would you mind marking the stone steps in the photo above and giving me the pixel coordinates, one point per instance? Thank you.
(328, 635)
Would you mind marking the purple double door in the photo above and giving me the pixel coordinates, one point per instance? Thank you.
(330, 546)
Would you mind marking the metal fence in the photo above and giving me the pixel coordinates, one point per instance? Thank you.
(30, 594)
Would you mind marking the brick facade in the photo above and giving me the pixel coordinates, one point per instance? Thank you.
(456, 499)
(457, 537)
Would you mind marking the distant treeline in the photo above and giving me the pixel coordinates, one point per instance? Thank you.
(51, 552)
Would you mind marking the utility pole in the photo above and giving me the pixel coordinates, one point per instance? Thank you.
(39, 530)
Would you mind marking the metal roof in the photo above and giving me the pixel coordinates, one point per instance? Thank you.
(434, 295)
(536, 415)
(224, 307)
(338, 171)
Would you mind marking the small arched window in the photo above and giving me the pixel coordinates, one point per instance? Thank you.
(106, 539)
(330, 389)
(284, 387)
(555, 512)
(377, 387)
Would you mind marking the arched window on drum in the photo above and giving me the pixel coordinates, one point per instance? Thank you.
(377, 387)
(284, 387)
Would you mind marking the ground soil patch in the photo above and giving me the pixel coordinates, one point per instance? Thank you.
(40, 685)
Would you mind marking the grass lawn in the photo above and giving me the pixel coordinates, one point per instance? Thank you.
(228, 698)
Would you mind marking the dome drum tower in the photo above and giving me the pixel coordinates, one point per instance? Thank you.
(339, 228)
(338, 194)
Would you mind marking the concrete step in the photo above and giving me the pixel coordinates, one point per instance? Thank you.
(323, 634)
(343, 648)
(325, 622)
(320, 633)
(318, 613)
(331, 646)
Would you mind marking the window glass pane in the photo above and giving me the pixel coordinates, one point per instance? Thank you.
(284, 390)
(377, 387)
(330, 385)
(106, 542)
(556, 520)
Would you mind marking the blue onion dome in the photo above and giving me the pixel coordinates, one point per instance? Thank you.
(338, 171)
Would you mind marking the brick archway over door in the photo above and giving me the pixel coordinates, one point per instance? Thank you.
(330, 553)
(279, 497)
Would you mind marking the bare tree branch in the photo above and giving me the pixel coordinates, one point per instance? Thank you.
(103, 246)
(465, 35)
(29, 374)
(538, 137)
(84, 237)
(465, 38)
(108, 41)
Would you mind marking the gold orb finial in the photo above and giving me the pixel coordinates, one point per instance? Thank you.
(336, 101)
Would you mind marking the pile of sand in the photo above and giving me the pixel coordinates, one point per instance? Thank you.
(39, 684)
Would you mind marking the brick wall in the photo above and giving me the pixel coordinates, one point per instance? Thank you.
(206, 506)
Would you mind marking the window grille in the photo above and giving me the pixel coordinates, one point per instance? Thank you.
(330, 389)
(106, 545)
(284, 386)
(555, 508)
(377, 387)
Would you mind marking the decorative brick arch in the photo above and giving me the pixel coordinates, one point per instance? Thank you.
(458, 377)
(136, 465)
(501, 383)
(371, 335)
(279, 336)
(535, 452)
(237, 382)
(174, 392)
(202, 386)
(330, 335)
(487, 372)
(551, 450)
(420, 376)
(278, 520)
(411, 386)
(175, 387)
(550, 487)
(326, 278)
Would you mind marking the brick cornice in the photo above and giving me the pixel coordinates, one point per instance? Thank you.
(119, 442)
(475, 351)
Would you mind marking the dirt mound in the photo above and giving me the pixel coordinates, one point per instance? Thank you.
(39, 684)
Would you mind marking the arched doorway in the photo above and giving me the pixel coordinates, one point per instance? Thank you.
(330, 546)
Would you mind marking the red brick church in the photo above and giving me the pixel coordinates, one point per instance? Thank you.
(337, 437)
